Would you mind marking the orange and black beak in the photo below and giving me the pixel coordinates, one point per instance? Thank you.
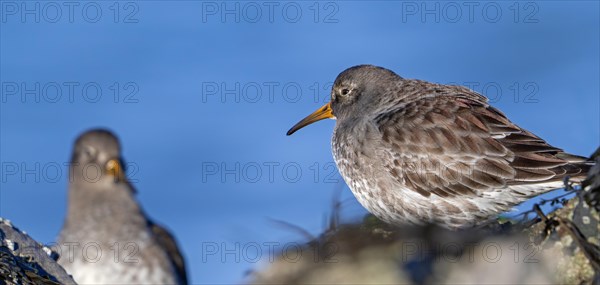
(114, 168)
(324, 112)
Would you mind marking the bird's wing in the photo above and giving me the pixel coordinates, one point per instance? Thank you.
(167, 241)
(454, 143)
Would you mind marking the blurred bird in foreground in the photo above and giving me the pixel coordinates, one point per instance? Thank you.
(417, 152)
(107, 238)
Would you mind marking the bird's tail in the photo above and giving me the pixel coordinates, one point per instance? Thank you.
(577, 167)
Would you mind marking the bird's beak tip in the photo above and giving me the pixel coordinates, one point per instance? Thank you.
(114, 168)
(324, 112)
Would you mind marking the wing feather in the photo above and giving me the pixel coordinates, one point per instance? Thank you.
(167, 241)
(454, 143)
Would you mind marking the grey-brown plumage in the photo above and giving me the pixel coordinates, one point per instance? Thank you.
(414, 151)
(107, 238)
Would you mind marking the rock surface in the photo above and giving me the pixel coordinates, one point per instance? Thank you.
(25, 261)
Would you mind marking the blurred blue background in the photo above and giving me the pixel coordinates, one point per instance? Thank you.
(202, 93)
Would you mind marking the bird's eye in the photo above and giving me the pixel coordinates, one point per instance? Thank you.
(345, 91)
(90, 151)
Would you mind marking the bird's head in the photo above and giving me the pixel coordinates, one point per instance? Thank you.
(96, 159)
(348, 94)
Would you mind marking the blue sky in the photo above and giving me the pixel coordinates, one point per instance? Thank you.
(202, 93)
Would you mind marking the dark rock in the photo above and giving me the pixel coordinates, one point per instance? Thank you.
(25, 261)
